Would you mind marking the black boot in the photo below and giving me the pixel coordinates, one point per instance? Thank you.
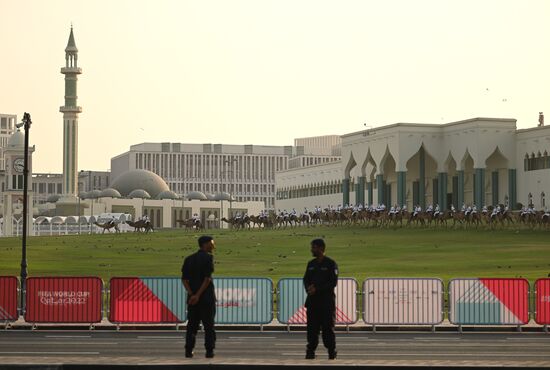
(310, 355)
(209, 353)
(332, 354)
(189, 353)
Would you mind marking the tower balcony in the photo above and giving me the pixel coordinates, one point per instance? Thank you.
(65, 109)
(71, 70)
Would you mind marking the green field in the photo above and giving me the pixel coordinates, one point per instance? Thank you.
(360, 253)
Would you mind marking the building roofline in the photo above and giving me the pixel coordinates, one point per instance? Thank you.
(308, 167)
(431, 125)
(536, 128)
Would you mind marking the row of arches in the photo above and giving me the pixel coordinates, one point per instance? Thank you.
(310, 190)
(427, 180)
(536, 162)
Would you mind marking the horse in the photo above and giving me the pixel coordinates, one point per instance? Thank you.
(108, 226)
(305, 218)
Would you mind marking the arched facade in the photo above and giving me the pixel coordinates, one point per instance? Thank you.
(478, 161)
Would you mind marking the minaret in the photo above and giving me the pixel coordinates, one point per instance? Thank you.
(70, 119)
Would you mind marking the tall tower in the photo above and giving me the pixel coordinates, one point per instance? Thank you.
(70, 119)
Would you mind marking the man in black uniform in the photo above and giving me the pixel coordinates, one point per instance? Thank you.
(196, 275)
(320, 280)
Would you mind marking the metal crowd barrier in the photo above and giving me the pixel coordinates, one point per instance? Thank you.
(8, 298)
(403, 301)
(542, 301)
(64, 300)
(496, 301)
(147, 300)
(240, 300)
(292, 297)
(243, 300)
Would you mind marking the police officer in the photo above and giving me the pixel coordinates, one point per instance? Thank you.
(320, 280)
(196, 274)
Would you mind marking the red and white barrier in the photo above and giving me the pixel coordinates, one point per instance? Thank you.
(491, 301)
(64, 299)
(542, 305)
(8, 298)
(403, 301)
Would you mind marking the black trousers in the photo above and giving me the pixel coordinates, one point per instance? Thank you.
(203, 311)
(321, 317)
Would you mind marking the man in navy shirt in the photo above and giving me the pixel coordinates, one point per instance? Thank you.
(196, 275)
(320, 280)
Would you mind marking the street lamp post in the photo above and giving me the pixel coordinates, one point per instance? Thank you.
(26, 123)
(230, 163)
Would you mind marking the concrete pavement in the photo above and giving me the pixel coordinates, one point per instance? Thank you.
(254, 348)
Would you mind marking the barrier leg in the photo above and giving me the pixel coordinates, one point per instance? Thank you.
(261, 328)
(288, 328)
(117, 327)
(374, 328)
(460, 329)
(519, 329)
(546, 329)
(347, 328)
(92, 327)
(433, 328)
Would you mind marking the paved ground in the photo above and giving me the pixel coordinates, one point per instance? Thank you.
(277, 348)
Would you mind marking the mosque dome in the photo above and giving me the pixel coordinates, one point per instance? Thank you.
(17, 140)
(131, 180)
(139, 193)
(196, 195)
(52, 198)
(167, 194)
(94, 194)
(110, 193)
(224, 196)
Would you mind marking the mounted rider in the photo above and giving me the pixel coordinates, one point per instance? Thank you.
(417, 210)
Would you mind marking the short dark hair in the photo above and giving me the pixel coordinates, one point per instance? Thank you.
(318, 243)
(204, 239)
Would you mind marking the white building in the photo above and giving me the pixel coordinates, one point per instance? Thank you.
(7, 128)
(330, 145)
(477, 161)
(245, 171)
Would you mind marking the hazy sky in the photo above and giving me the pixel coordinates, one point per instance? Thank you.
(265, 72)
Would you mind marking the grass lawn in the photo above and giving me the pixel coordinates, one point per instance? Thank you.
(359, 252)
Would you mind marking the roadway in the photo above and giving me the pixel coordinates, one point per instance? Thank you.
(275, 348)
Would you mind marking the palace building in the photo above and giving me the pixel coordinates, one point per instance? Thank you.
(481, 161)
